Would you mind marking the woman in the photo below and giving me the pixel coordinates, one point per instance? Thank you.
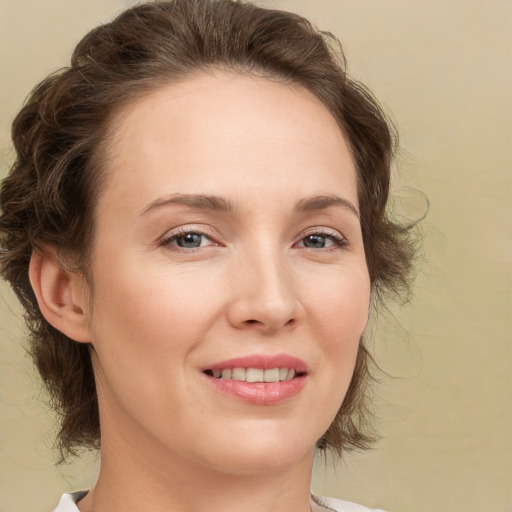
(195, 224)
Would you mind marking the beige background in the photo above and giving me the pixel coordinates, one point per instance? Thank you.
(443, 69)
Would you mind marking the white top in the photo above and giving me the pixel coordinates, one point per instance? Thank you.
(68, 504)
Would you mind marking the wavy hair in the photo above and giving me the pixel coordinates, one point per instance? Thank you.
(50, 193)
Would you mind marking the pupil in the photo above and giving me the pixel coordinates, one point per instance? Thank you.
(315, 241)
(191, 240)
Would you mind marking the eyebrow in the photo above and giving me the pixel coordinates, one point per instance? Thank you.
(199, 202)
(219, 204)
(317, 203)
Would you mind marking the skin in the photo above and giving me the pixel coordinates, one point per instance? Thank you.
(161, 313)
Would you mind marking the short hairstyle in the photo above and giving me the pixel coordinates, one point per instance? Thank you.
(49, 196)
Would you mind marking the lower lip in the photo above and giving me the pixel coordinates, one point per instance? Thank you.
(261, 393)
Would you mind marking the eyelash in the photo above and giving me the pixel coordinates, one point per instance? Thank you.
(338, 240)
(167, 241)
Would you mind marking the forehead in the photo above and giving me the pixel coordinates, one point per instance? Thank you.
(207, 134)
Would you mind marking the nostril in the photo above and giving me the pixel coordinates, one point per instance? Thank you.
(253, 322)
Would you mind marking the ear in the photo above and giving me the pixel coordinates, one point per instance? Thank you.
(61, 295)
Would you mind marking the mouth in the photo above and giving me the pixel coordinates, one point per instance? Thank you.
(259, 379)
(255, 374)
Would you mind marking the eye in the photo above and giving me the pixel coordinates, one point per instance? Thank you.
(188, 240)
(322, 240)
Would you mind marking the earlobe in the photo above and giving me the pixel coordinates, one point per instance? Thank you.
(60, 295)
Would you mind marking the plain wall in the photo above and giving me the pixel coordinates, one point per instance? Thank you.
(442, 70)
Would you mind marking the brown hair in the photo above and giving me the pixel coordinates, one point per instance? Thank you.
(49, 195)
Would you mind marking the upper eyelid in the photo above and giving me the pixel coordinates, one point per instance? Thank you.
(183, 230)
(322, 230)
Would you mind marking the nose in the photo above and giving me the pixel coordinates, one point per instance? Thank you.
(265, 295)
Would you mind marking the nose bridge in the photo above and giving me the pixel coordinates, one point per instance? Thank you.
(272, 276)
(266, 291)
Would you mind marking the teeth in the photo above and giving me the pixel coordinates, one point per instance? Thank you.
(238, 374)
(271, 375)
(255, 374)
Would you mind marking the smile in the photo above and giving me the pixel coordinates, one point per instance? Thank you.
(254, 374)
(259, 379)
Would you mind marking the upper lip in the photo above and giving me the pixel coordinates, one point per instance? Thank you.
(264, 362)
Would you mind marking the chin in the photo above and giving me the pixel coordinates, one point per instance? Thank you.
(259, 452)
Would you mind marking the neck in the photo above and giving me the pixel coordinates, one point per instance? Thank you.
(135, 477)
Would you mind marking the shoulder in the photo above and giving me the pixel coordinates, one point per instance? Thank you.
(68, 502)
(343, 506)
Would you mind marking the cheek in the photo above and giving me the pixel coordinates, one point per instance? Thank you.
(148, 321)
(146, 324)
(339, 314)
(341, 303)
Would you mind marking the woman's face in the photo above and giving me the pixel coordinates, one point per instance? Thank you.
(228, 244)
